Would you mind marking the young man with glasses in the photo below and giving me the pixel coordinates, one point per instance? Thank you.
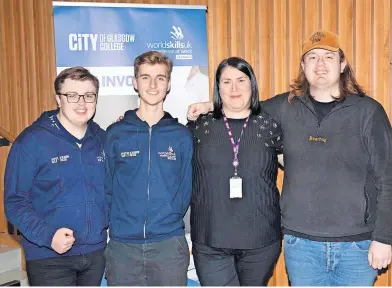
(54, 190)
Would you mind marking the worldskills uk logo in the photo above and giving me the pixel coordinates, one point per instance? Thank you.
(177, 33)
(176, 45)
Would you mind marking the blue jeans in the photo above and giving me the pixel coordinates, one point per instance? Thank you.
(313, 263)
(163, 263)
(77, 270)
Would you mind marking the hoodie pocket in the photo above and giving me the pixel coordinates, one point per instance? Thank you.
(72, 217)
(98, 222)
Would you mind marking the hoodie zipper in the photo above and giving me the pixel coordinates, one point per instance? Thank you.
(148, 183)
(87, 227)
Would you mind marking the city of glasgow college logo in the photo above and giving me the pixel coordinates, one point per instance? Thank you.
(177, 33)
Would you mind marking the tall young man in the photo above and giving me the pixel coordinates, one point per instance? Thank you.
(337, 190)
(54, 190)
(148, 185)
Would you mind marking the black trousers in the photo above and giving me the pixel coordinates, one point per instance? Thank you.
(235, 267)
(78, 270)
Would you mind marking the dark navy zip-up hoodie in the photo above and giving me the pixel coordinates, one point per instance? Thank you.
(51, 183)
(149, 178)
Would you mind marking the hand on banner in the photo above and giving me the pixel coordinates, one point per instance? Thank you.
(62, 240)
(194, 110)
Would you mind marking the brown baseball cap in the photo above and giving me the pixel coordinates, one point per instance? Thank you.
(321, 39)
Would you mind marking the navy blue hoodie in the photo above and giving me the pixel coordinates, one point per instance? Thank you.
(149, 178)
(51, 183)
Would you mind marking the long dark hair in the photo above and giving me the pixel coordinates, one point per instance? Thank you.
(245, 68)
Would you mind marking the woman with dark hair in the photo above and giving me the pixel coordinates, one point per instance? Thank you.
(235, 215)
(337, 189)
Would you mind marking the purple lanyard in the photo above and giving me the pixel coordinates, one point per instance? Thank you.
(236, 146)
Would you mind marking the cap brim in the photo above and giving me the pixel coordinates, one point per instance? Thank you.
(326, 47)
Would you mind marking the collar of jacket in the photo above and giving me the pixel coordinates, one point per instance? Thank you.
(131, 117)
(44, 121)
(349, 100)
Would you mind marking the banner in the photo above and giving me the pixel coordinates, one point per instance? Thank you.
(105, 38)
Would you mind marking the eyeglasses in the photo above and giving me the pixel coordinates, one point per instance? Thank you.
(74, 97)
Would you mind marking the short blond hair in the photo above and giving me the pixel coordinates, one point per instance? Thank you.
(152, 58)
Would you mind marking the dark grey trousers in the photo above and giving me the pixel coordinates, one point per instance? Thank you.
(235, 267)
(163, 263)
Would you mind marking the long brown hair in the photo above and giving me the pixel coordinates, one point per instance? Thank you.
(347, 83)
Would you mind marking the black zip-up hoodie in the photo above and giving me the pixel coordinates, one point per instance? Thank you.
(338, 171)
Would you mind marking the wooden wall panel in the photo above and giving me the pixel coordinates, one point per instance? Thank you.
(233, 33)
(363, 48)
(310, 16)
(345, 27)
(267, 33)
(329, 15)
(263, 55)
(381, 56)
(3, 158)
(280, 55)
(249, 30)
(295, 25)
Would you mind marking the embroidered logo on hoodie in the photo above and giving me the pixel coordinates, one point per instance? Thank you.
(318, 139)
(170, 155)
(101, 157)
(60, 158)
(129, 154)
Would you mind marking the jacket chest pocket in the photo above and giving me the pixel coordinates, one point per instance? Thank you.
(48, 173)
(54, 173)
(129, 154)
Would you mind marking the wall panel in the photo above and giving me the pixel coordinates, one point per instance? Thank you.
(345, 27)
(267, 33)
(263, 49)
(363, 48)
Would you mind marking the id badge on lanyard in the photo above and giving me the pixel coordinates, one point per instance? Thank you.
(235, 187)
(235, 181)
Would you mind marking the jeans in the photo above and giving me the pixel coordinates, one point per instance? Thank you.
(163, 263)
(235, 267)
(78, 270)
(313, 263)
